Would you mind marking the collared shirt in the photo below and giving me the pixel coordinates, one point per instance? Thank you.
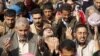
(88, 50)
(64, 22)
(23, 47)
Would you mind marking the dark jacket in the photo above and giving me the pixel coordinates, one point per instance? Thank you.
(43, 50)
(60, 28)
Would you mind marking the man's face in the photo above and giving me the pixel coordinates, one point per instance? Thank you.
(10, 21)
(81, 35)
(97, 4)
(37, 19)
(47, 13)
(65, 14)
(67, 53)
(22, 31)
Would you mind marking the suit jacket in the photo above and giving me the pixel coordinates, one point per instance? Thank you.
(14, 49)
(60, 28)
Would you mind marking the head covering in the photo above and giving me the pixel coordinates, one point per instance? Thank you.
(94, 19)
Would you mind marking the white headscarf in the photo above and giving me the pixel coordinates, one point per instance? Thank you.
(94, 19)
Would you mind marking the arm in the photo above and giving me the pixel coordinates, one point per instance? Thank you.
(96, 38)
(69, 33)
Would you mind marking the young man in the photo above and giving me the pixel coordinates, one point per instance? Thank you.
(48, 12)
(37, 25)
(9, 21)
(63, 19)
(85, 47)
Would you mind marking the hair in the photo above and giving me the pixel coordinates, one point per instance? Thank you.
(10, 13)
(48, 5)
(72, 0)
(67, 45)
(22, 21)
(97, 53)
(66, 7)
(36, 11)
(79, 26)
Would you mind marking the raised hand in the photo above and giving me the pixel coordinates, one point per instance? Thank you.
(58, 16)
(97, 43)
(95, 32)
(52, 43)
(69, 33)
(7, 44)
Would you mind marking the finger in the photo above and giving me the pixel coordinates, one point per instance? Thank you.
(67, 29)
(7, 46)
(7, 40)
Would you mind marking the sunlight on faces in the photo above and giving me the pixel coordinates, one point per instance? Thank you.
(22, 27)
(65, 14)
(10, 21)
(22, 30)
(37, 19)
(81, 35)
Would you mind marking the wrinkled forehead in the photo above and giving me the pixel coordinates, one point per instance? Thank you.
(81, 29)
(22, 27)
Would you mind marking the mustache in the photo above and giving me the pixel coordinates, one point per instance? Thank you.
(38, 22)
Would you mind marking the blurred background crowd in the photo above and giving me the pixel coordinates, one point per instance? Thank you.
(49, 27)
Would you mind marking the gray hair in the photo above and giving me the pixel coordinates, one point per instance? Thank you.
(22, 21)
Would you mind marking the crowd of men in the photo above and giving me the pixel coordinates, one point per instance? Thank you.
(49, 27)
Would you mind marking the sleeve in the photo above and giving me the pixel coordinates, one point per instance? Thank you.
(92, 46)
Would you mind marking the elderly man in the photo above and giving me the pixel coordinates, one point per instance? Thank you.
(21, 41)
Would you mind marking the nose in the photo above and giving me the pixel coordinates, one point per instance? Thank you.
(82, 35)
(10, 21)
(23, 33)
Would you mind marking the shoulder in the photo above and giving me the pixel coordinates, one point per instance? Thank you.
(33, 36)
(91, 43)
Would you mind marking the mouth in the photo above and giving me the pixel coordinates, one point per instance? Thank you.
(82, 39)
